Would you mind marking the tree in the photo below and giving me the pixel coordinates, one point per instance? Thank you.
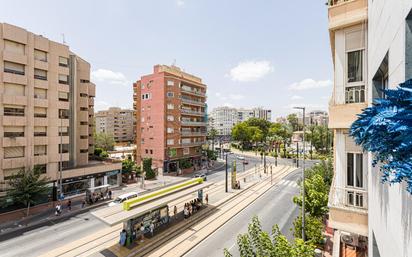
(104, 141)
(262, 124)
(212, 135)
(313, 228)
(256, 134)
(27, 187)
(241, 132)
(259, 243)
(147, 168)
(294, 121)
(385, 129)
(128, 166)
(316, 196)
(324, 169)
(318, 137)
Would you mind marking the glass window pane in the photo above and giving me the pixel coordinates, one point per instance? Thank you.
(359, 170)
(355, 66)
(349, 167)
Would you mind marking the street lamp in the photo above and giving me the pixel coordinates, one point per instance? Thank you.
(226, 172)
(303, 173)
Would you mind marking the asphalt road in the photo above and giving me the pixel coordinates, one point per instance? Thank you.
(51, 236)
(273, 207)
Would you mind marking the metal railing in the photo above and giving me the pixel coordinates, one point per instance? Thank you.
(199, 93)
(191, 133)
(348, 198)
(185, 100)
(192, 112)
(193, 123)
(193, 143)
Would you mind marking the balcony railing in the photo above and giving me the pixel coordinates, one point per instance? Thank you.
(348, 198)
(185, 111)
(336, 2)
(195, 92)
(192, 133)
(189, 101)
(193, 123)
(193, 143)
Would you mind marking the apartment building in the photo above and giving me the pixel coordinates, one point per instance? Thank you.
(348, 199)
(222, 119)
(46, 112)
(260, 113)
(320, 118)
(117, 122)
(170, 117)
(389, 63)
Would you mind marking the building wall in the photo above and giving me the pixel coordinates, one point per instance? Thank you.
(117, 122)
(390, 206)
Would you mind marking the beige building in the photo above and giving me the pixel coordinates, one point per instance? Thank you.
(348, 200)
(46, 112)
(117, 122)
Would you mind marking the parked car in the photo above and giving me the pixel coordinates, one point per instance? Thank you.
(121, 198)
(245, 162)
(201, 175)
(240, 157)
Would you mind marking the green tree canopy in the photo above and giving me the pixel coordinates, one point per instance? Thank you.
(294, 121)
(128, 166)
(319, 137)
(262, 124)
(104, 141)
(27, 187)
(242, 133)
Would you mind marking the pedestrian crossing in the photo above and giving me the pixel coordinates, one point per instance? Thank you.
(288, 183)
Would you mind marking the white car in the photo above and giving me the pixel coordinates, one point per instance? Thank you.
(121, 198)
(240, 157)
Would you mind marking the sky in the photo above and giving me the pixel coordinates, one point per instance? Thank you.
(262, 53)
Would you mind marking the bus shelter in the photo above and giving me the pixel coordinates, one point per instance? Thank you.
(151, 210)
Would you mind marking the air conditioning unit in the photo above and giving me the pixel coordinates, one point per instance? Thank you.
(350, 239)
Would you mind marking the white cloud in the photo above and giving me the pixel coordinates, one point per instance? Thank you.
(220, 96)
(180, 3)
(103, 75)
(310, 84)
(296, 97)
(250, 71)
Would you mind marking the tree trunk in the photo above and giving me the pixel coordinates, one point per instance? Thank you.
(28, 209)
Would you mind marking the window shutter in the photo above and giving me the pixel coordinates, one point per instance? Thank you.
(40, 93)
(14, 66)
(14, 89)
(40, 129)
(354, 40)
(40, 55)
(14, 47)
(13, 129)
(14, 152)
(38, 72)
(40, 110)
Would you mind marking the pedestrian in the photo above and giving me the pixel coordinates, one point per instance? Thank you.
(142, 232)
(123, 236)
(56, 212)
(207, 199)
(190, 210)
(175, 212)
(110, 194)
(151, 228)
(69, 205)
(83, 203)
(186, 212)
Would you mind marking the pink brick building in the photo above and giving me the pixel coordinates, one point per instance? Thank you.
(170, 110)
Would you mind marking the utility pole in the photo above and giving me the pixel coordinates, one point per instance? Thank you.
(303, 175)
(226, 172)
(264, 160)
(297, 154)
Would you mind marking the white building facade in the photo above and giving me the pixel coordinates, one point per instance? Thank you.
(222, 119)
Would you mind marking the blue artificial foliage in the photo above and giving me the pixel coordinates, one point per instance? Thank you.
(385, 129)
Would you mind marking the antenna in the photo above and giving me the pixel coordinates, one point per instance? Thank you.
(64, 41)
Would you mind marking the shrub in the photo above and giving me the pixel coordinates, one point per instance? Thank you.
(185, 164)
(147, 168)
(104, 154)
(98, 151)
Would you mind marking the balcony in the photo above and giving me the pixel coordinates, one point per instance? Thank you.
(192, 134)
(343, 115)
(191, 112)
(193, 143)
(193, 102)
(343, 13)
(348, 209)
(193, 123)
(193, 92)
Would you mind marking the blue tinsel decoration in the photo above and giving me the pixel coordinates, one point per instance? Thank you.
(385, 129)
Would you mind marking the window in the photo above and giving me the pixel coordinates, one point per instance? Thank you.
(63, 114)
(84, 150)
(170, 142)
(170, 106)
(380, 80)
(64, 131)
(151, 151)
(40, 74)
(354, 167)
(14, 47)
(170, 94)
(63, 148)
(170, 130)
(83, 95)
(146, 96)
(40, 150)
(13, 131)
(42, 168)
(63, 79)
(10, 173)
(14, 89)
(15, 68)
(40, 55)
(40, 112)
(170, 118)
(186, 151)
(84, 137)
(13, 152)
(63, 96)
(12, 110)
(355, 94)
(84, 123)
(170, 83)
(84, 81)
(40, 131)
(40, 93)
(84, 109)
(63, 61)
(355, 66)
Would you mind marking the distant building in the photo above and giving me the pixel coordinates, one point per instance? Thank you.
(260, 113)
(170, 118)
(117, 122)
(320, 118)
